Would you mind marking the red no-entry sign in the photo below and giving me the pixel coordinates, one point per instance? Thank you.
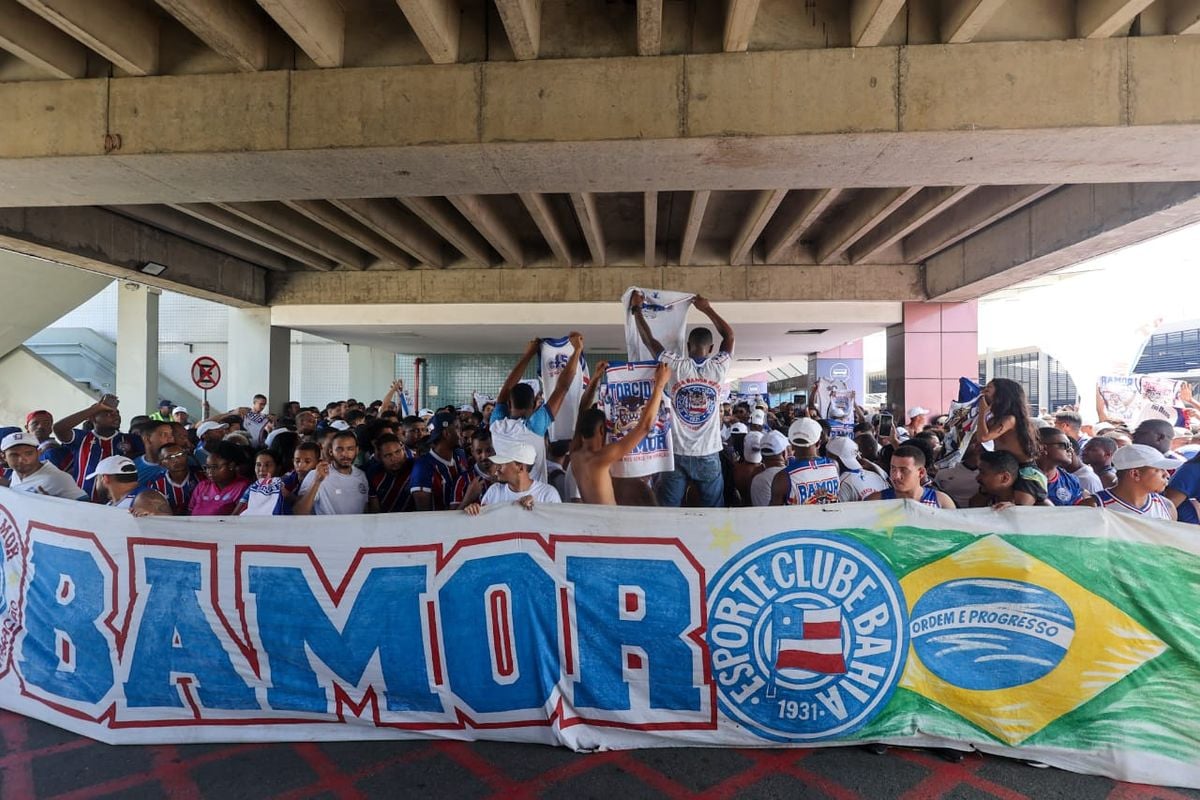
(206, 372)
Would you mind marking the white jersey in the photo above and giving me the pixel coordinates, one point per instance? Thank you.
(752, 447)
(338, 494)
(500, 494)
(253, 424)
(695, 394)
(51, 480)
(555, 355)
(666, 315)
(1156, 506)
(859, 484)
(760, 487)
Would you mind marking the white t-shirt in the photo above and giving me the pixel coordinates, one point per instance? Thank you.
(858, 484)
(1089, 481)
(760, 487)
(339, 494)
(695, 393)
(499, 493)
(52, 480)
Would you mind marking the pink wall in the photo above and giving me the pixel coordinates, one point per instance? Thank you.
(935, 345)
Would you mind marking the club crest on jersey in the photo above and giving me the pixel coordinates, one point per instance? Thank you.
(695, 403)
(808, 635)
(558, 363)
(1063, 493)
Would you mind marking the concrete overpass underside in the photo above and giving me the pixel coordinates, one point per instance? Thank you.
(341, 152)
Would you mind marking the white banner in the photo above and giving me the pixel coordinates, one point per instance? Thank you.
(1066, 636)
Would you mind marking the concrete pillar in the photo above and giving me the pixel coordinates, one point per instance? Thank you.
(1043, 381)
(137, 348)
(935, 345)
(259, 359)
(371, 372)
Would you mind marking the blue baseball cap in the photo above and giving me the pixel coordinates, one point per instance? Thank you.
(439, 423)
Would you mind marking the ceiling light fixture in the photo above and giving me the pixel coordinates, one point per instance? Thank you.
(808, 332)
(153, 268)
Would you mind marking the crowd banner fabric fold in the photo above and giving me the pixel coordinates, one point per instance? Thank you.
(1065, 636)
(1136, 398)
(666, 314)
(553, 356)
(624, 393)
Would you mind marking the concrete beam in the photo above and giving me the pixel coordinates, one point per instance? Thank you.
(962, 19)
(1183, 17)
(228, 221)
(282, 221)
(870, 20)
(1099, 19)
(189, 227)
(38, 43)
(437, 214)
(478, 211)
(988, 205)
(230, 27)
(318, 27)
(691, 228)
(601, 284)
(847, 229)
(551, 231)
(937, 115)
(761, 211)
(123, 31)
(739, 23)
(398, 226)
(650, 227)
(649, 27)
(1064, 228)
(339, 222)
(437, 24)
(816, 203)
(110, 244)
(584, 204)
(927, 205)
(523, 23)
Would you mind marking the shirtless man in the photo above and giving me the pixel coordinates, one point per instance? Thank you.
(591, 458)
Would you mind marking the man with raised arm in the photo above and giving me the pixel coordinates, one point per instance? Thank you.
(515, 416)
(88, 448)
(591, 458)
(695, 396)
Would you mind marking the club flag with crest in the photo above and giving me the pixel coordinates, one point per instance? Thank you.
(807, 638)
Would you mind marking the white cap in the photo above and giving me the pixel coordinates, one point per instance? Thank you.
(273, 435)
(901, 433)
(1181, 433)
(804, 432)
(18, 437)
(774, 443)
(752, 449)
(759, 417)
(1137, 456)
(509, 450)
(738, 427)
(205, 427)
(466, 408)
(178, 410)
(1038, 422)
(113, 465)
(340, 425)
(917, 411)
(845, 450)
(425, 412)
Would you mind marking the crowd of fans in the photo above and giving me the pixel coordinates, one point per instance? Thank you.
(355, 457)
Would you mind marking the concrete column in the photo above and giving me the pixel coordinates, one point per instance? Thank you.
(137, 348)
(371, 372)
(259, 359)
(935, 345)
(1043, 381)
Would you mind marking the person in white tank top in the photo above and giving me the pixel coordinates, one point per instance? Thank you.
(1142, 475)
